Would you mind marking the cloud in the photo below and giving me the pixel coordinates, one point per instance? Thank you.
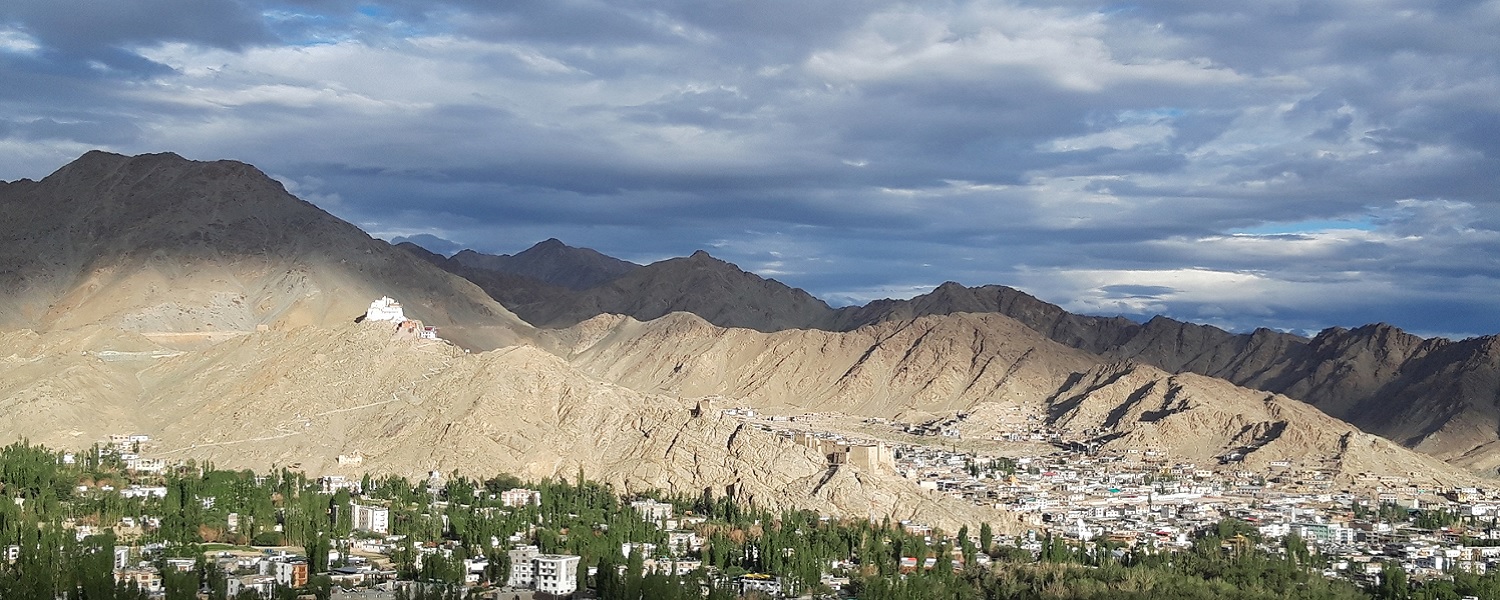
(1174, 157)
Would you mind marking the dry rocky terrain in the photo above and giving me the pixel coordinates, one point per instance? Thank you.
(201, 304)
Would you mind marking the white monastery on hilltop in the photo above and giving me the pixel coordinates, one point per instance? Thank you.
(388, 309)
(385, 309)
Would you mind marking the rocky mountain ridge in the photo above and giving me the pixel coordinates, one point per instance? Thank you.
(1437, 395)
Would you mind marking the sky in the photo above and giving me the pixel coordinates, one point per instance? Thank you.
(1279, 163)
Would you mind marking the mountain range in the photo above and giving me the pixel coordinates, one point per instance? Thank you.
(1436, 395)
(202, 304)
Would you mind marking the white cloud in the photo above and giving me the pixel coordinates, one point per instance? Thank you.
(16, 41)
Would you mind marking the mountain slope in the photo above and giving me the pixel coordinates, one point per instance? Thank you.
(170, 247)
(922, 367)
(553, 262)
(506, 288)
(1202, 419)
(715, 290)
(305, 396)
(978, 363)
(1437, 395)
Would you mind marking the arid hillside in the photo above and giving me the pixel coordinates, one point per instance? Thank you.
(1435, 395)
(968, 363)
(174, 248)
(305, 396)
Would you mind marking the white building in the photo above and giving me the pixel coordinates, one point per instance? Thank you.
(122, 557)
(651, 510)
(385, 309)
(372, 518)
(523, 567)
(520, 497)
(146, 465)
(557, 574)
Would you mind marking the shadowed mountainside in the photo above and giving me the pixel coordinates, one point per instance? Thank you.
(553, 262)
(166, 246)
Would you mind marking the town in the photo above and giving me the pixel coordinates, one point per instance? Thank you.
(254, 536)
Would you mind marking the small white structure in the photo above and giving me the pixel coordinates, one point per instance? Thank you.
(385, 309)
(652, 511)
(519, 497)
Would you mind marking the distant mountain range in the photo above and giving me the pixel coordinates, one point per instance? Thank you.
(1436, 395)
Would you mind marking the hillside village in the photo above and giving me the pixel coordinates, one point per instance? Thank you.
(1097, 502)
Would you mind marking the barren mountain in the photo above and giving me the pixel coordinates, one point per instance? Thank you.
(1440, 396)
(970, 363)
(553, 262)
(170, 247)
(916, 368)
(1436, 395)
(715, 290)
(307, 395)
(1205, 420)
(507, 288)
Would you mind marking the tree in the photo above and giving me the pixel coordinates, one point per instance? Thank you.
(1393, 584)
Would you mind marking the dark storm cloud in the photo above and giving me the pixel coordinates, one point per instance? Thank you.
(1286, 164)
(73, 34)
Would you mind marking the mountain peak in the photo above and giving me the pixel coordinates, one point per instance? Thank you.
(554, 262)
(235, 249)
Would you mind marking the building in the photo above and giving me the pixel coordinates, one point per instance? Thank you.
(372, 518)
(683, 542)
(146, 465)
(872, 457)
(651, 510)
(556, 574)
(122, 557)
(262, 585)
(759, 582)
(292, 573)
(523, 567)
(148, 580)
(519, 497)
(333, 483)
(385, 309)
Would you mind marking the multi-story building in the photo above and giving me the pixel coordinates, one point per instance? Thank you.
(292, 573)
(522, 567)
(372, 518)
(556, 574)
